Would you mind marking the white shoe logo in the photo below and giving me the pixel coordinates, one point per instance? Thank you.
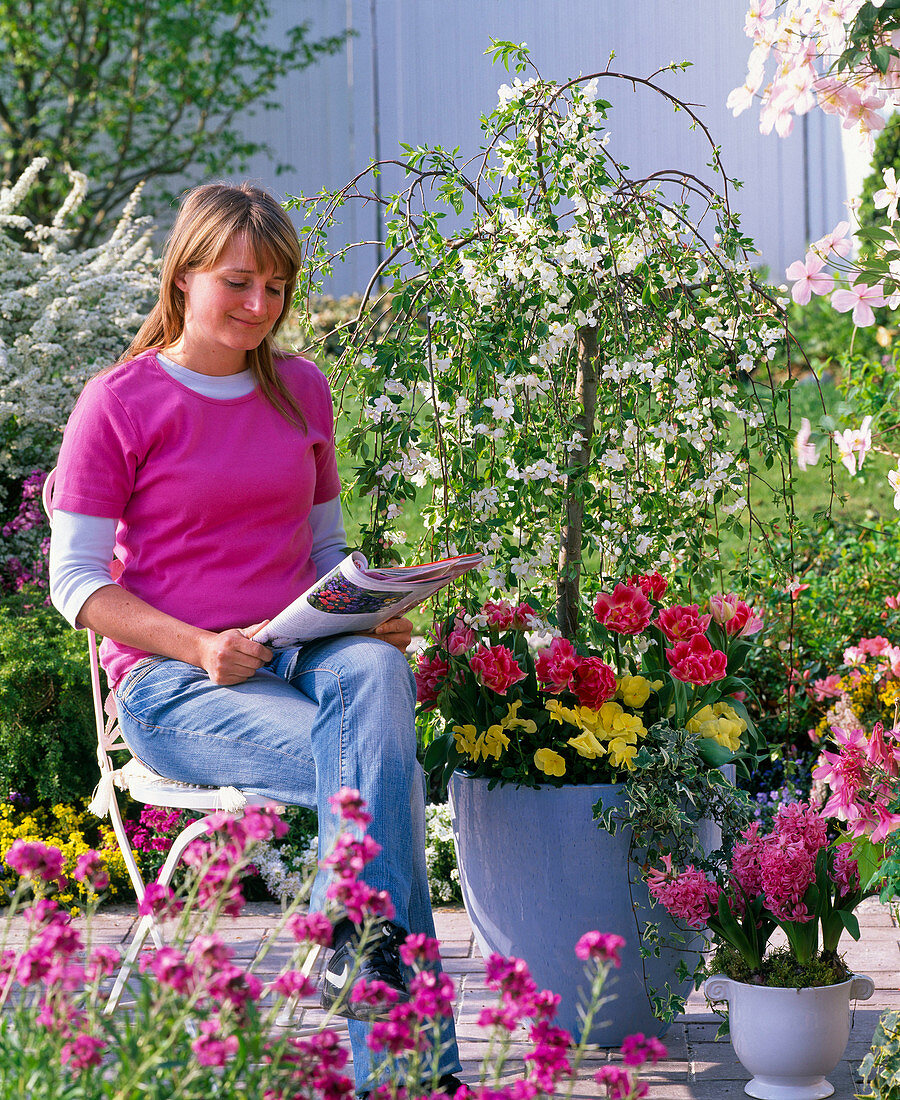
(338, 978)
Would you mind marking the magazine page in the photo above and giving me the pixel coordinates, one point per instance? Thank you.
(352, 598)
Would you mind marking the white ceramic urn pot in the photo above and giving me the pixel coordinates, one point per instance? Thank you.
(789, 1039)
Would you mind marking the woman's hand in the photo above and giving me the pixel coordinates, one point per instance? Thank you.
(232, 656)
(396, 632)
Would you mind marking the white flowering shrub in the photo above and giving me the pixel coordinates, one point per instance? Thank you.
(577, 375)
(64, 313)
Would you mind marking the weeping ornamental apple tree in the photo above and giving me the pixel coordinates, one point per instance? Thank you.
(574, 380)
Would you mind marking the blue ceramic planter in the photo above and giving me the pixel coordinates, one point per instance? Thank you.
(537, 873)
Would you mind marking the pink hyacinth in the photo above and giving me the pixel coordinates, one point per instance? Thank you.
(593, 682)
(688, 895)
(845, 871)
(555, 666)
(787, 870)
(603, 946)
(495, 667)
(431, 675)
(682, 621)
(745, 868)
(626, 611)
(696, 662)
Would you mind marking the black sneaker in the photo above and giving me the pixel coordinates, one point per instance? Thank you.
(448, 1084)
(380, 961)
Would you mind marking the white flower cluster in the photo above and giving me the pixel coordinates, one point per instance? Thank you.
(64, 313)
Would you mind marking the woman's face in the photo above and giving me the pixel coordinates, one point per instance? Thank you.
(230, 307)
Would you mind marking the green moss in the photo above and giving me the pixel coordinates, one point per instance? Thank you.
(781, 970)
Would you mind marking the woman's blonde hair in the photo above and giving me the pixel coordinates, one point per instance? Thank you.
(209, 218)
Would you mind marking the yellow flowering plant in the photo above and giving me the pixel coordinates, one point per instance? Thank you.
(521, 704)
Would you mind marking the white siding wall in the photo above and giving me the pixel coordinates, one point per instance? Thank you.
(434, 82)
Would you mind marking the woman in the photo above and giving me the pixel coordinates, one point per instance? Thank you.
(206, 461)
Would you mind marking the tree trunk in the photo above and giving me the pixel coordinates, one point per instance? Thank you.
(568, 576)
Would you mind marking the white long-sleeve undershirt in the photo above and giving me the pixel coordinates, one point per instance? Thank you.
(81, 546)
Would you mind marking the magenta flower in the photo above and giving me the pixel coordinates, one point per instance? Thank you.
(373, 993)
(397, 1035)
(170, 967)
(696, 662)
(90, 868)
(293, 983)
(81, 1052)
(350, 855)
(35, 860)
(210, 1049)
(548, 1057)
(310, 928)
(419, 949)
(620, 1085)
(626, 611)
(159, 901)
(349, 805)
(431, 994)
(496, 667)
(603, 946)
(639, 1048)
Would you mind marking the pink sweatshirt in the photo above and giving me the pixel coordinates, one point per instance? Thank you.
(212, 496)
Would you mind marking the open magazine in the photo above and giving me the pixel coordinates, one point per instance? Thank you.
(354, 598)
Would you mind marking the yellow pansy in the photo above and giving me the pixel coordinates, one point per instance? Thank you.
(617, 722)
(622, 752)
(513, 722)
(549, 762)
(465, 738)
(634, 690)
(721, 723)
(587, 745)
(559, 713)
(495, 741)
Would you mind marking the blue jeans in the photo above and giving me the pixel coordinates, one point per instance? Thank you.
(331, 714)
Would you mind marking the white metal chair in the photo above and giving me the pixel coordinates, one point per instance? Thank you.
(153, 790)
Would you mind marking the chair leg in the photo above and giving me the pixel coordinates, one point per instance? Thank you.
(148, 925)
(286, 1015)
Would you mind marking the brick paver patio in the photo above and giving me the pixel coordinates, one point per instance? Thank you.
(697, 1068)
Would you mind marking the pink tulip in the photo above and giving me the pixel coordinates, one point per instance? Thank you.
(626, 611)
